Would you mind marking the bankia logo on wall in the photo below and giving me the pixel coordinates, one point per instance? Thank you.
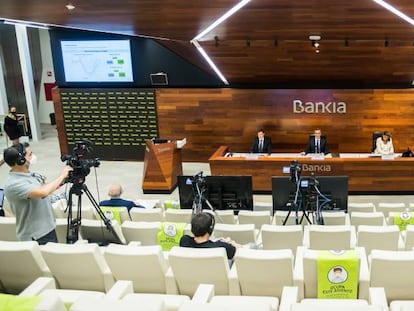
(329, 107)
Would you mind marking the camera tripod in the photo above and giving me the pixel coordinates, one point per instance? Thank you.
(294, 206)
(200, 200)
(72, 232)
(309, 204)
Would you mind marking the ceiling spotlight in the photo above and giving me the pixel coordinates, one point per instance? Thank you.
(216, 39)
(70, 6)
(316, 45)
(386, 43)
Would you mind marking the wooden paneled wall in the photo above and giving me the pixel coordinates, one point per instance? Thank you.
(209, 118)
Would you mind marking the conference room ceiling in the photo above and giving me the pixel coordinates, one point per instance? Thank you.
(265, 43)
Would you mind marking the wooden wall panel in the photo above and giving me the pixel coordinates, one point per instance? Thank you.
(213, 117)
(116, 121)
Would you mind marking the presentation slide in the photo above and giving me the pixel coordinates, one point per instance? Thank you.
(97, 61)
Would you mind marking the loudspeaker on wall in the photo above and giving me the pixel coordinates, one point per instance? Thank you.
(159, 78)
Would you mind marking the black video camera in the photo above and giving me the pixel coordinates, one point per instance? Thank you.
(199, 180)
(80, 162)
(295, 169)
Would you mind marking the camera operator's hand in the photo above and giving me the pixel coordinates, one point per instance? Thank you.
(65, 174)
(65, 171)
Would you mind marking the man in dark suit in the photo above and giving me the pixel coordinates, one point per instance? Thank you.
(317, 143)
(115, 192)
(262, 143)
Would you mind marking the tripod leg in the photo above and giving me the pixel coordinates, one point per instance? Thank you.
(295, 206)
(213, 210)
(305, 215)
(72, 231)
(106, 221)
(287, 216)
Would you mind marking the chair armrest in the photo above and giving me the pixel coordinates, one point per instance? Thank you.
(298, 274)
(364, 275)
(401, 242)
(306, 238)
(108, 279)
(80, 241)
(50, 301)
(135, 243)
(170, 283)
(120, 290)
(377, 297)
(289, 297)
(234, 286)
(38, 286)
(353, 242)
(204, 293)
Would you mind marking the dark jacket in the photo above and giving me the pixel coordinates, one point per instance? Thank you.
(311, 148)
(267, 145)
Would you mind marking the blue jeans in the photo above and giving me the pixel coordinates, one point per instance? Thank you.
(50, 237)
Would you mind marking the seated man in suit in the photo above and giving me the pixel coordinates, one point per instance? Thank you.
(317, 143)
(262, 143)
(114, 193)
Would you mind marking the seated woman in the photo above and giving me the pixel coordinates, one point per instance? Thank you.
(384, 144)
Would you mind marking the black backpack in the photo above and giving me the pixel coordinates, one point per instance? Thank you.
(407, 154)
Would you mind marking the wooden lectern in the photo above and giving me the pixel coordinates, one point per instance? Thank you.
(162, 165)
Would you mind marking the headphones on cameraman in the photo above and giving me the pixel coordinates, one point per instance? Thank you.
(20, 155)
(212, 222)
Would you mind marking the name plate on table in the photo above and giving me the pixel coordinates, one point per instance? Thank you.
(253, 156)
(317, 156)
(387, 157)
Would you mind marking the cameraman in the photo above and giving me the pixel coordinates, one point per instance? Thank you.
(27, 194)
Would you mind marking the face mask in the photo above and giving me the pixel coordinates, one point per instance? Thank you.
(33, 159)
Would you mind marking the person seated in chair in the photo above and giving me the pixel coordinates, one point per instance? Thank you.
(115, 192)
(202, 226)
(262, 143)
(384, 144)
(317, 143)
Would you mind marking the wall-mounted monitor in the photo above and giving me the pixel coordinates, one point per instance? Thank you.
(335, 188)
(97, 61)
(223, 192)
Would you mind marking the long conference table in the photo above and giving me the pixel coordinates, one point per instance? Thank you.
(367, 173)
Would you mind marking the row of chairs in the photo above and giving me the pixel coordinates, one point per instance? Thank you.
(387, 237)
(155, 210)
(120, 298)
(263, 273)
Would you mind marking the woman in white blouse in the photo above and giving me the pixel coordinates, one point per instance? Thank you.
(384, 144)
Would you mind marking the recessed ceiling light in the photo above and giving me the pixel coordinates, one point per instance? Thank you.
(221, 19)
(397, 12)
(70, 6)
